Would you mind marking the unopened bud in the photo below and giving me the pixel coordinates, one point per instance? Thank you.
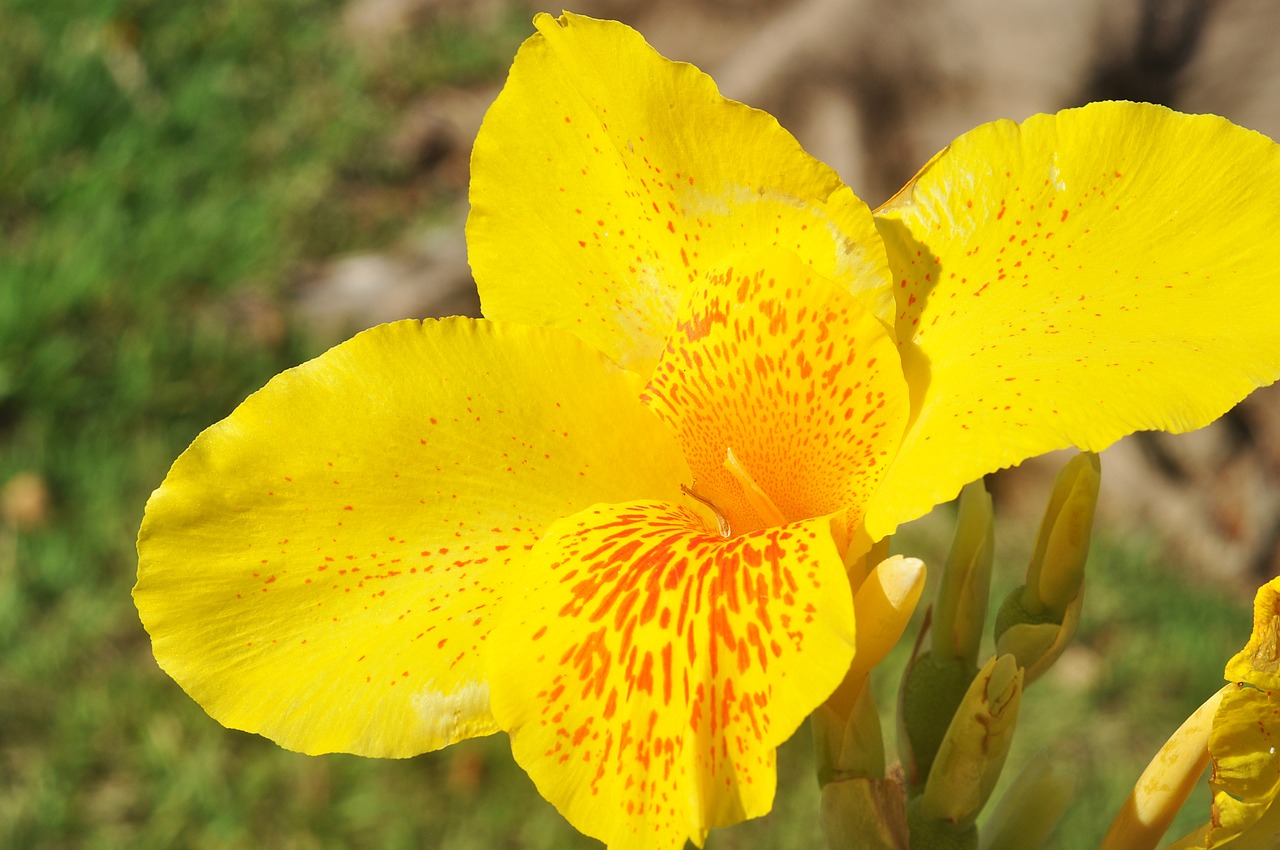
(975, 746)
(1062, 544)
(932, 689)
(960, 612)
(1037, 621)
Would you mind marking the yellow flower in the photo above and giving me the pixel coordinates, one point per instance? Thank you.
(613, 520)
(1245, 737)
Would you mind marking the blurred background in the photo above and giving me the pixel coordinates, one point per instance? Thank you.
(194, 196)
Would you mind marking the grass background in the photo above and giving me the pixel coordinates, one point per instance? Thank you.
(165, 170)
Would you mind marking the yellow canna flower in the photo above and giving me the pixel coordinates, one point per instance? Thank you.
(1245, 736)
(1235, 732)
(614, 519)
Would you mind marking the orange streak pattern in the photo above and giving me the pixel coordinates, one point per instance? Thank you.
(787, 370)
(667, 663)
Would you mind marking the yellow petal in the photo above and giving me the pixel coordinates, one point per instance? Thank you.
(1246, 764)
(1076, 278)
(1259, 662)
(324, 566)
(1166, 783)
(606, 180)
(785, 374)
(649, 679)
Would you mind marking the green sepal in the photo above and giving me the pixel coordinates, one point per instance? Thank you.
(929, 834)
(848, 747)
(864, 814)
(932, 689)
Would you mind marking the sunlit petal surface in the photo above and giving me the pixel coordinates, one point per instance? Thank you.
(1076, 278)
(325, 565)
(789, 373)
(647, 683)
(606, 180)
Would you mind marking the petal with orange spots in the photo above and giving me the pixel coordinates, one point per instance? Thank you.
(606, 180)
(787, 396)
(653, 673)
(1072, 279)
(325, 565)
(1244, 746)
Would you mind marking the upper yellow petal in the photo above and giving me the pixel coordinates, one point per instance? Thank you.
(606, 180)
(1075, 278)
(324, 566)
(657, 667)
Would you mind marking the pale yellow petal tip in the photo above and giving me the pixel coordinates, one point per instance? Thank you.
(548, 24)
(545, 21)
(902, 580)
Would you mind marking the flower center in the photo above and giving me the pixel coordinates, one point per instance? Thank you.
(755, 496)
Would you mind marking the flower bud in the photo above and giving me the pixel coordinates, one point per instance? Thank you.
(932, 689)
(1062, 543)
(1037, 621)
(960, 612)
(975, 746)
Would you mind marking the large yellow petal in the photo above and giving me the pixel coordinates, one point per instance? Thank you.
(649, 679)
(607, 179)
(324, 566)
(786, 394)
(1075, 278)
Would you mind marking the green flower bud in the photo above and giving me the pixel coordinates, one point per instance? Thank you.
(932, 689)
(1037, 621)
(1062, 543)
(960, 613)
(973, 751)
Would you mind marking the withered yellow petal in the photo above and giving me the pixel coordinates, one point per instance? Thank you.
(1259, 662)
(606, 180)
(1072, 279)
(1243, 747)
(325, 565)
(786, 394)
(649, 678)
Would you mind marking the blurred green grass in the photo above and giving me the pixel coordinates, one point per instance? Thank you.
(165, 168)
